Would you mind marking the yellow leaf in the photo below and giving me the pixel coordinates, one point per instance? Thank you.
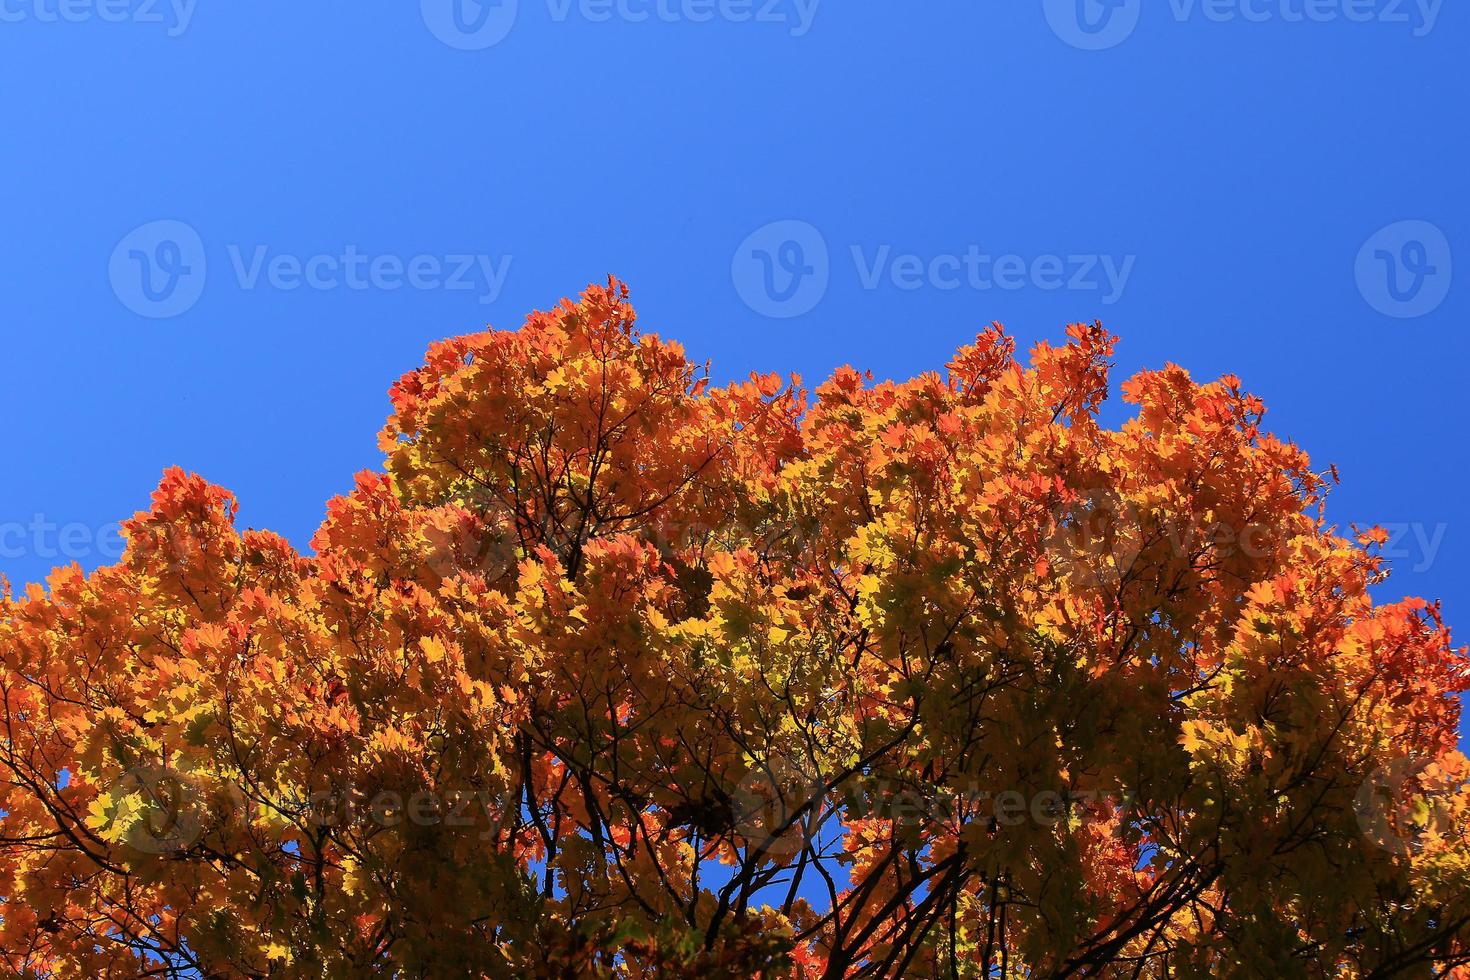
(99, 814)
(433, 649)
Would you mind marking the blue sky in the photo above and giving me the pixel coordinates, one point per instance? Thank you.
(318, 190)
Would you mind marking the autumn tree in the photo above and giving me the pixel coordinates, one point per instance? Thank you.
(611, 671)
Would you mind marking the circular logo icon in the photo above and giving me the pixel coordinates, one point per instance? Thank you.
(474, 537)
(470, 25)
(158, 270)
(1093, 25)
(778, 803)
(1095, 538)
(1386, 805)
(162, 812)
(782, 269)
(1405, 270)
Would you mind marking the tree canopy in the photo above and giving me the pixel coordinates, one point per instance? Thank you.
(613, 671)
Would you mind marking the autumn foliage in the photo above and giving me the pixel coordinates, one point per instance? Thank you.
(611, 671)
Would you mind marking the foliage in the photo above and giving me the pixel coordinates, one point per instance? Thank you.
(614, 672)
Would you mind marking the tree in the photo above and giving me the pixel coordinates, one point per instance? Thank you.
(614, 672)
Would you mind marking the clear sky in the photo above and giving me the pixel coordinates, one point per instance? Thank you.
(229, 226)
